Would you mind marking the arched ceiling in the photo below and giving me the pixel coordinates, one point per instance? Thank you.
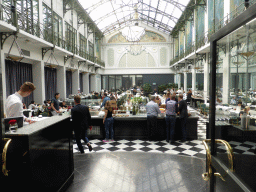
(112, 15)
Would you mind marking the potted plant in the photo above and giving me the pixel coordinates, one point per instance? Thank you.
(146, 88)
(161, 88)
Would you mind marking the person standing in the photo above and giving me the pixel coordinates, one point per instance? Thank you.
(171, 110)
(106, 98)
(152, 112)
(81, 120)
(55, 106)
(14, 105)
(183, 113)
(189, 96)
(109, 122)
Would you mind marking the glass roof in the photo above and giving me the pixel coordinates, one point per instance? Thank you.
(112, 15)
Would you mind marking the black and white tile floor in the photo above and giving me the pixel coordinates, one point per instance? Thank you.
(193, 148)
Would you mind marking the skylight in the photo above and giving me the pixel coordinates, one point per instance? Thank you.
(111, 15)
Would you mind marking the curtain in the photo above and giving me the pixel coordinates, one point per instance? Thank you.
(81, 82)
(68, 83)
(18, 73)
(50, 75)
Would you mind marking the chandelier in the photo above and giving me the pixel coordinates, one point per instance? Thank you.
(135, 49)
(134, 32)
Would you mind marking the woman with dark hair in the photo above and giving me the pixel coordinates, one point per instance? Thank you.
(108, 121)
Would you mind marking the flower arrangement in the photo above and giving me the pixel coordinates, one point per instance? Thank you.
(12, 122)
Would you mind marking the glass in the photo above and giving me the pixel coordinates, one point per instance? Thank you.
(112, 80)
(105, 82)
(118, 82)
(235, 97)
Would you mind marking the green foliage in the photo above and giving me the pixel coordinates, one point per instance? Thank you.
(200, 87)
(147, 87)
(163, 87)
(137, 100)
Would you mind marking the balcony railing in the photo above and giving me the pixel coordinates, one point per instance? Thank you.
(44, 31)
(205, 38)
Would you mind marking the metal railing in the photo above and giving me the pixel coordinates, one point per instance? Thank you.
(44, 31)
(205, 38)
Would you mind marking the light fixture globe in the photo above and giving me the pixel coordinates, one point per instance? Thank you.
(133, 33)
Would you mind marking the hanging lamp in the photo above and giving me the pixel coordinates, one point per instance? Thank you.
(51, 63)
(134, 33)
(15, 58)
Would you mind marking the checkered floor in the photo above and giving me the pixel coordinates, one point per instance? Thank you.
(193, 148)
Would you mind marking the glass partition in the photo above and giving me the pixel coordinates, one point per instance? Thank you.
(236, 100)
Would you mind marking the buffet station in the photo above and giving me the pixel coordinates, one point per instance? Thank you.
(130, 119)
(234, 123)
(198, 98)
(39, 155)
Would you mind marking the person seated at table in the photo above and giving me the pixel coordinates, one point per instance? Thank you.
(218, 101)
(233, 101)
(96, 96)
(63, 105)
(245, 111)
(241, 104)
(32, 105)
(155, 91)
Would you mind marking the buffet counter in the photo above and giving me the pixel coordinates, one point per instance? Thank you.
(135, 127)
(40, 156)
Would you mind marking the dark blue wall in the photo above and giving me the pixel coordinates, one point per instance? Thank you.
(159, 79)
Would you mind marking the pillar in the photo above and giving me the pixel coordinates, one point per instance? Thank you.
(226, 76)
(206, 78)
(185, 82)
(75, 82)
(86, 83)
(39, 81)
(193, 81)
(93, 82)
(61, 81)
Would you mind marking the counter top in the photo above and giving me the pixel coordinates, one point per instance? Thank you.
(37, 126)
(138, 117)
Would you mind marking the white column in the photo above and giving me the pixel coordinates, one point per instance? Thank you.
(86, 83)
(193, 81)
(226, 75)
(185, 82)
(93, 82)
(39, 82)
(75, 82)
(179, 80)
(206, 78)
(226, 8)
(61, 81)
(3, 75)
(206, 18)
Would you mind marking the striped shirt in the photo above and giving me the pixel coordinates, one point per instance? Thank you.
(152, 109)
(171, 107)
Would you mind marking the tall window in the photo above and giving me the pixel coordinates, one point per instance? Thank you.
(47, 23)
(71, 37)
(82, 45)
(57, 29)
(28, 17)
(91, 49)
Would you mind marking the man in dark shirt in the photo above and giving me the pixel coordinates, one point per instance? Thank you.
(55, 104)
(81, 120)
(183, 113)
